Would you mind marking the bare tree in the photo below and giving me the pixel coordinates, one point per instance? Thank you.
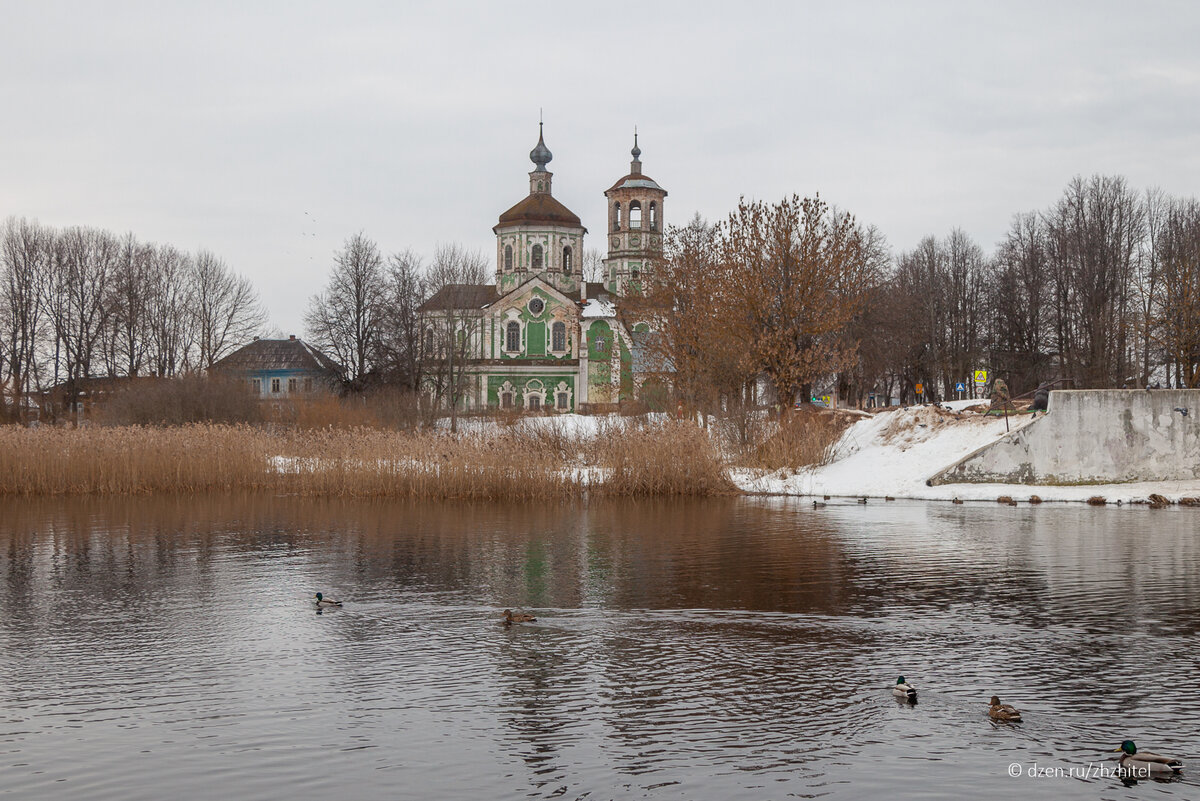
(24, 263)
(169, 320)
(1093, 235)
(84, 261)
(345, 318)
(225, 306)
(792, 267)
(1178, 295)
(400, 322)
(593, 265)
(452, 320)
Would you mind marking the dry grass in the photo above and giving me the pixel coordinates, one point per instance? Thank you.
(512, 463)
(802, 439)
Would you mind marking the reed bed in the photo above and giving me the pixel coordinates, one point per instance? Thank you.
(666, 458)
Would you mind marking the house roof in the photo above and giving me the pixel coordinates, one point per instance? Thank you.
(461, 296)
(278, 354)
(540, 208)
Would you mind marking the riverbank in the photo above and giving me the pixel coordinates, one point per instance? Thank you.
(893, 453)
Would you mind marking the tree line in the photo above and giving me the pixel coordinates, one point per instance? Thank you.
(81, 302)
(1101, 289)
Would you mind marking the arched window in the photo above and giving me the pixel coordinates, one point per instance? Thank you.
(558, 337)
(653, 216)
(512, 336)
(564, 401)
(566, 260)
(635, 214)
(616, 216)
(506, 400)
(537, 257)
(508, 258)
(428, 342)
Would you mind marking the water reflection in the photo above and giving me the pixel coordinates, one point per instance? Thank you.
(703, 649)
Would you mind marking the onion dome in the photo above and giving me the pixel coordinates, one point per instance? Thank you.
(541, 154)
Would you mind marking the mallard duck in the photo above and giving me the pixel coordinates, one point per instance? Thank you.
(519, 617)
(323, 601)
(1006, 712)
(1144, 762)
(904, 690)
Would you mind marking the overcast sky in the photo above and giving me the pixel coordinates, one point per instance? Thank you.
(269, 132)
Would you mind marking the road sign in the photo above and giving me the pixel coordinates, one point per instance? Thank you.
(920, 389)
(981, 376)
(960, 387)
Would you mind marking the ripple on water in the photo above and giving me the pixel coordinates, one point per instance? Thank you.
(729, 649)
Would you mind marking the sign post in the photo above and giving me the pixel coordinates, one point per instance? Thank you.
(981, 377)
(920, 390)
(960, 388)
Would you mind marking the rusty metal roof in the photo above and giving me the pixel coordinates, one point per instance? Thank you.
(461, 296)
(278, 354)
(539, 208)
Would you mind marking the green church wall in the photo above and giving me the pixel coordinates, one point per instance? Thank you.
(626, 373)
(535, 339)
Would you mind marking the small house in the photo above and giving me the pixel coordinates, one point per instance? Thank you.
(281, 369)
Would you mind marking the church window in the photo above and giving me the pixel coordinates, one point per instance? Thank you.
(428, 349)
(558, 337)
(508, 258)
(566, 259)
(653, 216)
(513, 337)
(537, 257)
(506, 400)
(564, 401)
(535, 403)
(536, 306)
(616, 216)
(635, 214)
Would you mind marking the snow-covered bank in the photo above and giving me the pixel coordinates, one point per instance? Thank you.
(893, 453)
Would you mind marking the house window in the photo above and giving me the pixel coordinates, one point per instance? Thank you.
(558, 337)
(508, 258)
(653, 216)
(255, 386)
(293, 385)
(566, 260)
(512, 337)
(506, 400)
(616, 216)
(635, 214)
(535, 403)
(537, 257)
(275, 385)
(564, 402)
(308, 385)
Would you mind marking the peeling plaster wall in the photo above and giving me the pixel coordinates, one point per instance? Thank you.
(1094, 437)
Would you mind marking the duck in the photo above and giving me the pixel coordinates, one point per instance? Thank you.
(1144, 762)
(1005, 712)
(904, 690)
(818, 504)
(322, 601)
(863, 499)
(519, 617)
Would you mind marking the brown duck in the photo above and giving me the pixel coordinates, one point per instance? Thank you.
(1006, 712)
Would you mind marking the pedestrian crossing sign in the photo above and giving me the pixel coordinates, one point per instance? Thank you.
(960, 387)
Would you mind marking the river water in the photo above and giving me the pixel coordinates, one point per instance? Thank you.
(719, 649)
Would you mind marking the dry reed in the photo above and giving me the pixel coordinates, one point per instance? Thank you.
(516, 462)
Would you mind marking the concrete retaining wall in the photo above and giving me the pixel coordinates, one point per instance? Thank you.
(1103, 436)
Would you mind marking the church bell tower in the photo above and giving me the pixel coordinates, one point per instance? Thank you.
(635, 226)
